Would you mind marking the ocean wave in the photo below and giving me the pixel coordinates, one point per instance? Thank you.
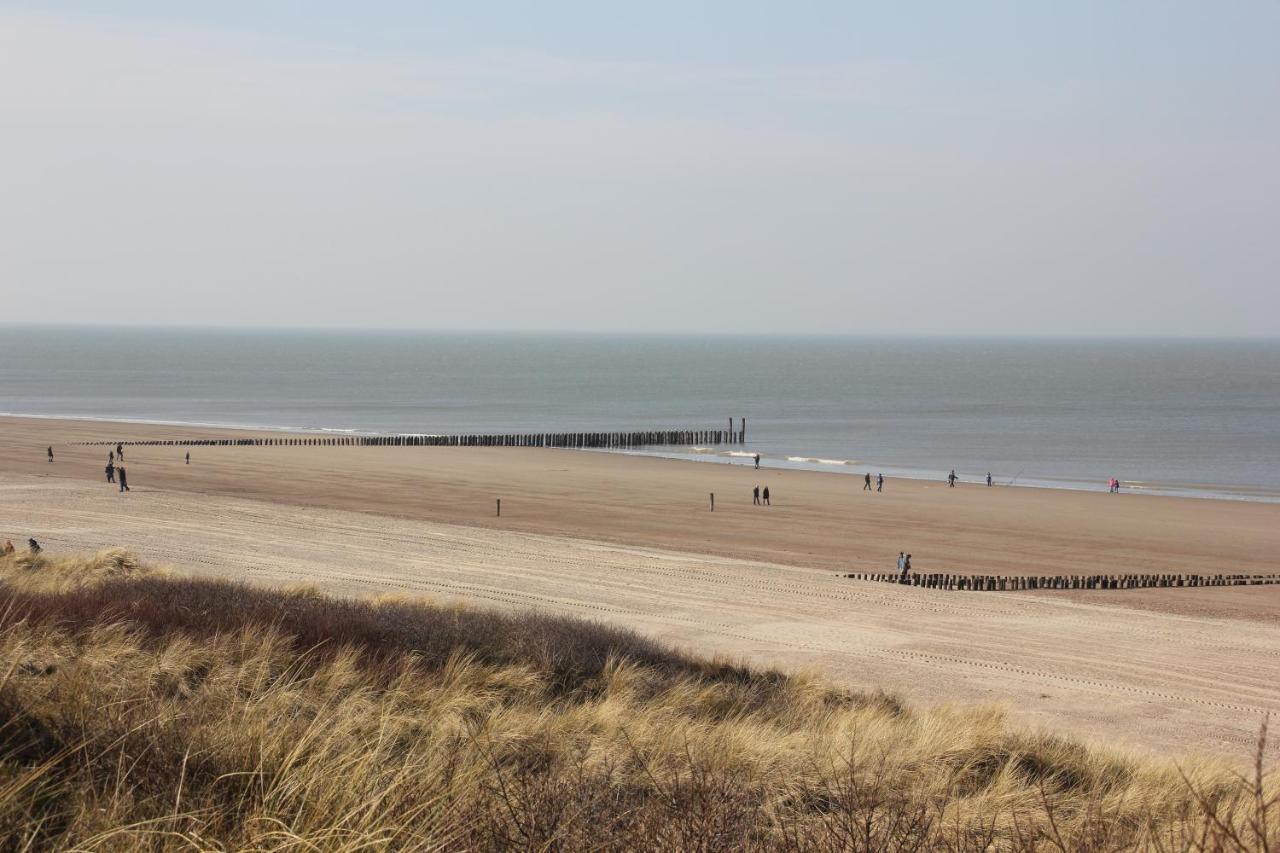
(814, 460)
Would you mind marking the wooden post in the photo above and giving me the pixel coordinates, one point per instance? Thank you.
(499, 507)
(713, 501)
(744, 431)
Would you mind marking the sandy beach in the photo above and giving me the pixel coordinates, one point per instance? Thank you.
(632, 540)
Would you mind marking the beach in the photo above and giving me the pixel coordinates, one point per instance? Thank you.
(632, 540)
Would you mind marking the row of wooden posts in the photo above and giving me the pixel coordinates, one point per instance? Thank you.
(603, 440)
(1003, 583)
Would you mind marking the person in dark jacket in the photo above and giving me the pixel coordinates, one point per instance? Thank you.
(124, 479)
(765, 496)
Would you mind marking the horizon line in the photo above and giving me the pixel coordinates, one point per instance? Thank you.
(634, 333)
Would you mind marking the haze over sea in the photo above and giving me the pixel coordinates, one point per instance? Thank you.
(1168, 416)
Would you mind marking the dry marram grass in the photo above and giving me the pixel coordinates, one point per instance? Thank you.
(158, 712)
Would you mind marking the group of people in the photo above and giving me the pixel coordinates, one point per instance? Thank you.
(117, 473)
(904, 565)
(866, 482)
(760, 498)
(1113, 486)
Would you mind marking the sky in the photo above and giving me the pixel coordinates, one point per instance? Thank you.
(1022, 168)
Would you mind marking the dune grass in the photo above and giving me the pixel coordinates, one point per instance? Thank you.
(146, 711)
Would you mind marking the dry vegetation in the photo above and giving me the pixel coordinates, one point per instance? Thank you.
(154, 712)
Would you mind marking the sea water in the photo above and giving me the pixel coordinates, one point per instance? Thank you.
(1169, 416)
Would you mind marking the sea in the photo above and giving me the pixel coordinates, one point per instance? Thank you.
(1177, 417)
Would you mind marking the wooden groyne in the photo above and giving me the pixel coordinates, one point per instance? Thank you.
(1010, 583)
(575, 440)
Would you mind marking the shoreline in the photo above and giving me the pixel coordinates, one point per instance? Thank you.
(816, 521)
(712, 455)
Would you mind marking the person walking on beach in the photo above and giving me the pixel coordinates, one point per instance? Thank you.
(866, 482)
(765, 495)
(906, 567)
(111, 472)
(902, 560)
(755, 496)
(757, 461)
(188, 457)
(51, 454)
(120, 452)
(951, 478)
(880, 482)
(124, 479)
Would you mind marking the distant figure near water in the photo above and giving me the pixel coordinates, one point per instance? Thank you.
(879, 482)
(866, 482)
(951, 478)
(757, 461)
(755, 496)
(988, 479)
(1114, 486)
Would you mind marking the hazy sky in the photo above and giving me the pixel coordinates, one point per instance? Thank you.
(1014, 167)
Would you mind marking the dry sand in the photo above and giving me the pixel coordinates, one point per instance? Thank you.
(631, 540)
